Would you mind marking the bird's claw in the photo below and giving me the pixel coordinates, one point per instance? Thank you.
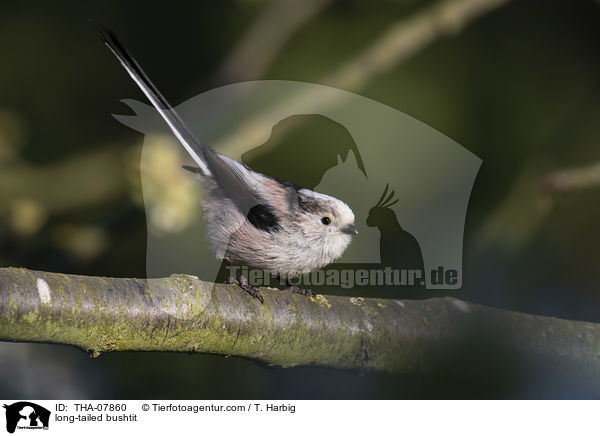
(297, 290)
(242, 282)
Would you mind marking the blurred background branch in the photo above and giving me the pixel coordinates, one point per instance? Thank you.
(407, 37)
(401, 40)
(266, 37)
(572, 179)
(86, 179)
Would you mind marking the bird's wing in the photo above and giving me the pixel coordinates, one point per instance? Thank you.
(236, 181)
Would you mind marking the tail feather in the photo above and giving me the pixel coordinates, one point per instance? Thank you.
(230, 178)
(179, 128)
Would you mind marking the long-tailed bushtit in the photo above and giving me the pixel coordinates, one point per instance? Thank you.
(253, 219)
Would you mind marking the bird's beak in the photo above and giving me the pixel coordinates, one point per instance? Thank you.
(350, 230)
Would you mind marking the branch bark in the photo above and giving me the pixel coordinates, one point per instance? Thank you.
(183, 313)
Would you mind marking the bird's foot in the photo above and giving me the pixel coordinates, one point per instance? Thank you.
(242, 282)
(297, 290)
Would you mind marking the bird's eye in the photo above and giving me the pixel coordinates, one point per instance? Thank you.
(326, 220)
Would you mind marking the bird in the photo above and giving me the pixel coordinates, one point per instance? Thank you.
(397, 247)
(252, 219)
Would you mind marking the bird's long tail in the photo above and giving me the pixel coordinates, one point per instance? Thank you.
(232, 177)
(180, 130)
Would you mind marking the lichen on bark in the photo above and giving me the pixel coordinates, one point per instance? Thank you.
(185, 314)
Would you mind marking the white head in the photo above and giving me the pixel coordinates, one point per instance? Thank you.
(327, 224)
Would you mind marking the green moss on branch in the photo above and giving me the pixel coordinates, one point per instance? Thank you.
(182, 313)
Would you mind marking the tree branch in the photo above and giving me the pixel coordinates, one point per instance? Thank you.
(182, 313)
(400, 41)
(572, 179)
(267, 36)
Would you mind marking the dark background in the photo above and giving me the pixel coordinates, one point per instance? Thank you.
(519, 87)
